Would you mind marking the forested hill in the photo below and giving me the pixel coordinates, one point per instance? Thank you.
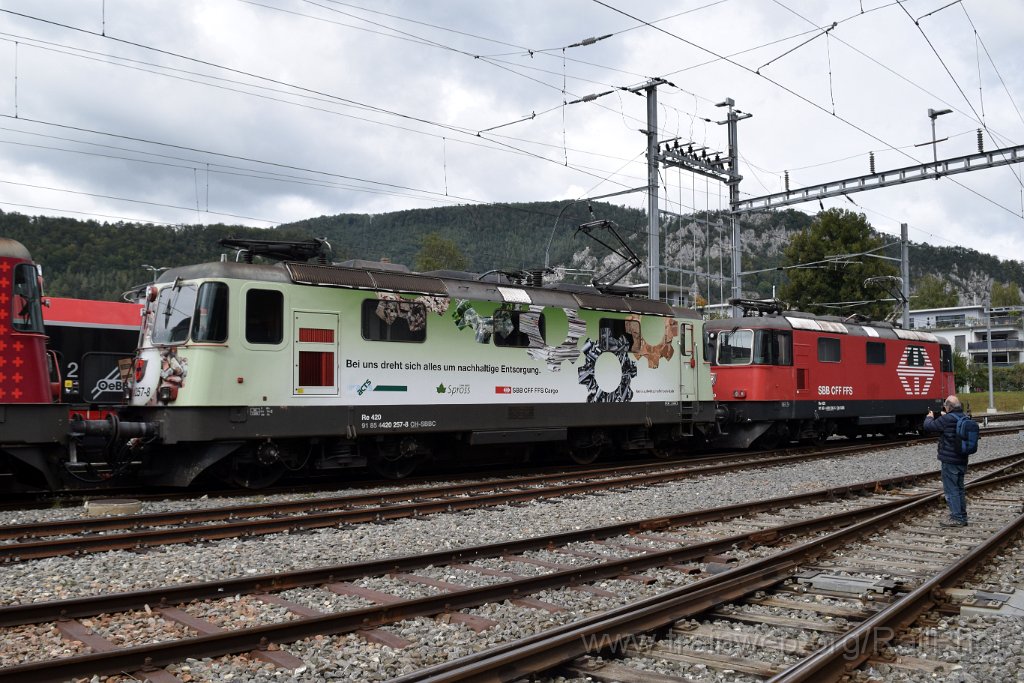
(87, 259)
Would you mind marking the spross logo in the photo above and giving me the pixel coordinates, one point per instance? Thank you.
(453, 389)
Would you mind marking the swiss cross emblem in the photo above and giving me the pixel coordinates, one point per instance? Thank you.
(140, 369)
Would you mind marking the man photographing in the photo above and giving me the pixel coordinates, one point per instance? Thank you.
(954, 463)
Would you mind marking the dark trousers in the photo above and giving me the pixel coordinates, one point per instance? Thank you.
(953, 487)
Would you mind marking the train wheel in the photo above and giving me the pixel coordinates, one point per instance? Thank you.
(255, 467)
(395, 459)
(821, 435)
(663, 452)
(587, 448)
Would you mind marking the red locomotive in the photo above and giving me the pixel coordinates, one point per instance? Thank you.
(33, 428)
(58, 357)
(783, 375)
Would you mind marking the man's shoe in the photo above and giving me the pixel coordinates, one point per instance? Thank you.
(950, 522)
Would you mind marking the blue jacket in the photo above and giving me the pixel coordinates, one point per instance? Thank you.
(945, 427)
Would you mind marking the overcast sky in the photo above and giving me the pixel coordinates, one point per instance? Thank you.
(268, 111)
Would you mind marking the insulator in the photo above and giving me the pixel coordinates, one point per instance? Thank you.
(787, 181)
(981, 141)
(871, 161)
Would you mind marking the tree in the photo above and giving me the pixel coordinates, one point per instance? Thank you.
(1007, 294)
(833, 233)
(962, 371)
(931, 292)
(440, 253)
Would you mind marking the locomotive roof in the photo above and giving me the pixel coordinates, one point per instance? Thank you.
(796, 320)
(13, 249)
(454, 285)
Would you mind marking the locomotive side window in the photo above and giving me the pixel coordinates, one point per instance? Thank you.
(876, 353)
(510, 329)
(26, 315)
(773, 347)
(174, 309)
(609, 329)
(735, 347)
(710, 339)
(394, 320)
(264, 316)
(210, 323)
(828, 350)
(782, 345)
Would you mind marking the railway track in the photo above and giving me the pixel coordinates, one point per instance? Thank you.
(691, 546)
(826, 608)
(52, 538)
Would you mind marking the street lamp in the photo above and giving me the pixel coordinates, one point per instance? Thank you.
(988, 337)
(934, 114)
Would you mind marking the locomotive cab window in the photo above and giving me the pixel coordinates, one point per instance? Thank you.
(174, 308)
(735, 347)
(828, 350)
(210, 322)
(264, 316)
(26, 314)
(876, 353)
(394, 320)
(773, 347)
(518, 330)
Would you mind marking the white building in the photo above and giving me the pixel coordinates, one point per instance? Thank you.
(967, 329)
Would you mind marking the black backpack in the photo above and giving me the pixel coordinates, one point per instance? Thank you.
(967, 434)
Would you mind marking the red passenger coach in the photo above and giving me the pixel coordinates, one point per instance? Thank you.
(791, 376)
(31, 424)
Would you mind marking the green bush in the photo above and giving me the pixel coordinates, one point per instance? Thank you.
(1003, 379)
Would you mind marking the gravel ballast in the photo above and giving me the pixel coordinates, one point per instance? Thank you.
(349, 657)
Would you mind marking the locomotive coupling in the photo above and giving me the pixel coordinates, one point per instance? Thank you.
(114, 428)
